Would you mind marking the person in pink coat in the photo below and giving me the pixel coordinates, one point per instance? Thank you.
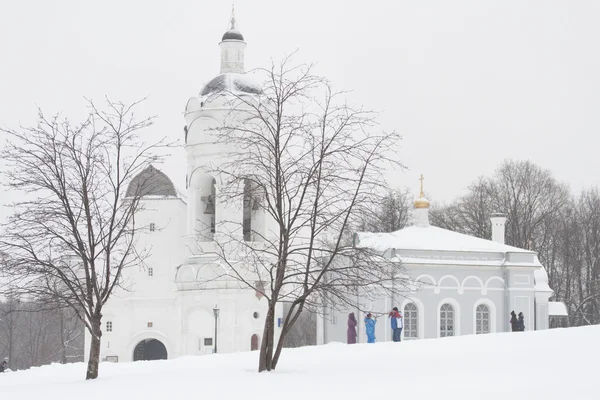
(352, 328)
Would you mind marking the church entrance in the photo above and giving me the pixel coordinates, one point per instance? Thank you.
(254, 342)
(150, 349)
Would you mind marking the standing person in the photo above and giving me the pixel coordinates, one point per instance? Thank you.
(4, 365)
(352, 328)
(521, 323)
(397, 324)
(514, 323)
(370, 327)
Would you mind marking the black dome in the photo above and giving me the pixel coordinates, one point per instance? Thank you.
(232, 35)
(231, 82)
(151, 182)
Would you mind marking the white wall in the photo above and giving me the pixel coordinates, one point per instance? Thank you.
(463, 287)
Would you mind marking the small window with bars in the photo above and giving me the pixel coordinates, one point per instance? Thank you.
(446, 320)
(411, 321)
(152, 227)
(109, 326)
(482, 319)
(150, 271)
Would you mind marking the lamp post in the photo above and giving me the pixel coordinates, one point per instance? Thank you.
(216, 311)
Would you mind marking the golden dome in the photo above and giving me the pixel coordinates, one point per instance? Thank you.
(421, 202)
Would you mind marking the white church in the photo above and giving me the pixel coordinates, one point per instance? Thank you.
(465, 285)
(459, 284)
(166, 312)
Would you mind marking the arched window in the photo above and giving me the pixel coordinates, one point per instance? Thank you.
(213, 198)
(254, 342)
(247, 219)
(446, 320)
(411, 321)
(482, 319)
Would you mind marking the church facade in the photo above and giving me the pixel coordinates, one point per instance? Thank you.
(164, 310)
(459, 284)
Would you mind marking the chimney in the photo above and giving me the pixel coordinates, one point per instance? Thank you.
(498, 224)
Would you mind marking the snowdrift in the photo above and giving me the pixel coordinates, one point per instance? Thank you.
(554, 364)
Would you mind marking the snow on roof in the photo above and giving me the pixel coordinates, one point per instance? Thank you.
(432, 238)
(475, 262)
(558, 309)
(232, 82)
(540, 276)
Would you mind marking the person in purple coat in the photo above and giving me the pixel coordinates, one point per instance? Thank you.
(351, 328)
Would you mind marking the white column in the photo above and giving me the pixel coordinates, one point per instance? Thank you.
(498, 227)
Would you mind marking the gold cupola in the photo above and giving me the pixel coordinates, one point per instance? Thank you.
(421, 202)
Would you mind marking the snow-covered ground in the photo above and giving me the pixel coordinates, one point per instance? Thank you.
(556, 364)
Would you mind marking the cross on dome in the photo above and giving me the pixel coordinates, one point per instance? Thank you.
(232, 33)
(232, 18)
(421, 202)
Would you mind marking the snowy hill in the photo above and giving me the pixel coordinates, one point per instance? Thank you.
(547, 365)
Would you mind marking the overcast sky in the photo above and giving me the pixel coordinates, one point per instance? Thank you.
(467, 83)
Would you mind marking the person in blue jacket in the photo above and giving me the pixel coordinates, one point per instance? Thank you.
(397, 324)
(370, 325)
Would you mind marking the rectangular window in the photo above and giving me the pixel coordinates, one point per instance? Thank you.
(150, 324)
(150, 271)
(334, 319)
(108, 326)
(152, 227)
(411, 322)
(208, 341)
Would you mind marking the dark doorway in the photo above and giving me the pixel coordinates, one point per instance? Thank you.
(254, 342)
(150, 349)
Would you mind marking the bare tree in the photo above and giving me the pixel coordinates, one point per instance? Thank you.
(392, 214)
(542, 216)
(10, 328)
(470, 214)
(530, 196)
(312, 165)
(74, 233)
(31, 334)
(304, 331)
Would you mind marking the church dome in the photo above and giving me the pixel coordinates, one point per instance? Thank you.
(231, 82)
(151, 182)
(232, 34)
(421, 202)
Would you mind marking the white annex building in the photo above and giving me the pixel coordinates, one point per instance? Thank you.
(165, 312)
(462, 284)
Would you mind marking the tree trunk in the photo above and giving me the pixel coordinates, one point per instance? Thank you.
(266, 349)
(63, 340)
(94, 361)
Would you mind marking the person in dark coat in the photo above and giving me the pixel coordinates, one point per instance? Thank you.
(521, 322)
(514, 322)
(352, 328)
(3, 365)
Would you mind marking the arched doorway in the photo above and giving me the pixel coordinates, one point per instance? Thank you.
(254, 342)
(150, 349)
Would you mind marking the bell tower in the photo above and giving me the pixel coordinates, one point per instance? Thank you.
(232, 49)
